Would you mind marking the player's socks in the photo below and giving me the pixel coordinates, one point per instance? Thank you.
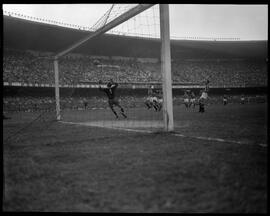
(123, 114)
(115, 114)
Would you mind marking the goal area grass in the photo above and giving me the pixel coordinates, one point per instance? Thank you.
(59, 167)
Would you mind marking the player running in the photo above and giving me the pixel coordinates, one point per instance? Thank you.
(110, 92)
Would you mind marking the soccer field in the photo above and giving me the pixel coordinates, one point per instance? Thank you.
(214, 162)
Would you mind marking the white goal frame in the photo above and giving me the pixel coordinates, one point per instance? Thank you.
(165, 58)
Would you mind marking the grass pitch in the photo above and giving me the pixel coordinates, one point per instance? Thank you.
(52, 166)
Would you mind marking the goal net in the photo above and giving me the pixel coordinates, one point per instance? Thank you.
(137, 63)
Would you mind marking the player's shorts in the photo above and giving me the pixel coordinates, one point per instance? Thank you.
(113, 102)
(192, 100)
(186, 100)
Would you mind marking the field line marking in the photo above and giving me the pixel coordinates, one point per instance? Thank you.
(217, 139)
(175, 134)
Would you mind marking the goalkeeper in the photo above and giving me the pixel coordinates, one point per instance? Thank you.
(110, 92)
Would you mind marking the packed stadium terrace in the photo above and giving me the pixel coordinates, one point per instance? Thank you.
(31, 67)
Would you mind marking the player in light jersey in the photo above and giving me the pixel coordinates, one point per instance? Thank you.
(153, 99)
(187, 99)
(205, 90)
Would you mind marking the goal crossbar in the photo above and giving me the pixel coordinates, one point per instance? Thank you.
(122, 18)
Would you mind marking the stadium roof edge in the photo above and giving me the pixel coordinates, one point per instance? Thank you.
(61, 36)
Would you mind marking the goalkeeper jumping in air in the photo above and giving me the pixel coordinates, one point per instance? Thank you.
(110, 92)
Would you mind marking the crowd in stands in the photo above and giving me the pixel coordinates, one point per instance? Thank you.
(25, 67)
(222, 73)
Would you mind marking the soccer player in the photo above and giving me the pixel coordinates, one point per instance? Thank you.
(110, 92)
(158, 100)
(153, 99)
(149, 100)
(225, 100)
(242, 99)
(187, 99)
(201, 105)
(85, 103)
(193, 100)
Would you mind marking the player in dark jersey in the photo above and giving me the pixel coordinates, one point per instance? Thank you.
(225, 100)
(201, 105)
(192, 99)
(112, 100)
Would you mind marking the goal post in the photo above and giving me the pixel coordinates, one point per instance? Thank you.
(57, 95)
(166, 67)
(165, 57)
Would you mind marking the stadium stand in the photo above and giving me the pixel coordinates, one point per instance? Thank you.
(22, 66)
